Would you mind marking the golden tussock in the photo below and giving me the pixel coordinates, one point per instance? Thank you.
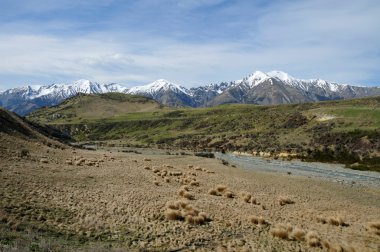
(181, 210)
(312, 239)
(297, 234)
(258, 220)
(336, 221)
(213, 192)
(284, 201)
(330, 247)
(221, 188)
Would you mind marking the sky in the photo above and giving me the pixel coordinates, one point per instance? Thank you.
(189, 42)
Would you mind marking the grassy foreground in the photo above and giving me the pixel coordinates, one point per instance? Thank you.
(346, 131)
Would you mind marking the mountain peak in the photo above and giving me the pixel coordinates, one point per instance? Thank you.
(157, 86)
(281, 75)
(82, 82)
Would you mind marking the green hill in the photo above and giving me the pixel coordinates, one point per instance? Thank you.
(94, 107)
(346, 131)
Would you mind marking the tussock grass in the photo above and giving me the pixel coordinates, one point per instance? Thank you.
(280, 231)
(247, 197)
(375, 227)
(285, 201)
(221, 188)
(213, 192)
(194, 183)
(321, 219)
(147, 159)
(156, 170)
(312, 239)
(229, 194)
(335, 221)
(297, 234)
(330, 247)
(181, 210)
(147, 168)
(258, 220)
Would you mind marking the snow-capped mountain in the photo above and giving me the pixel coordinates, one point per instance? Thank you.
(275, 87)
(165, 92)
(26, 99)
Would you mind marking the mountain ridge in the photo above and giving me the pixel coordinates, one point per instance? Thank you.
(274, 87)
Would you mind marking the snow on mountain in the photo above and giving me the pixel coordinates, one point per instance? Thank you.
(273, 87)
(156, 87)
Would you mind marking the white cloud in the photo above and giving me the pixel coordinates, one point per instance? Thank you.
(328, 39)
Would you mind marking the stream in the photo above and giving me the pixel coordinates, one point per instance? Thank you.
(332, 172)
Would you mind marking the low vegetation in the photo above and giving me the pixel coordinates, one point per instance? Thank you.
(346, 131)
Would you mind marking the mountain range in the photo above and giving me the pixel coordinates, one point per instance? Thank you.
(274, 87)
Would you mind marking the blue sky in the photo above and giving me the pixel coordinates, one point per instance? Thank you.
(189, 42)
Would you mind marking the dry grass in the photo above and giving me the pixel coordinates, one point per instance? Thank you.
(285, 201)
(147, 168)
(100, 204)
(330, 247)
(213, 192)
(297, 234)
(336, 221)
(312, 239)
(194, 183)
(181, 210)
(258, 220)
(321, 219)
(248, 198)
(229, 194)
(172, 214)
(221, 188)
(280, 231)
(375, 227)
(188, 196)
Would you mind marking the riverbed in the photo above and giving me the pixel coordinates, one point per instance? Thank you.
(333, 172)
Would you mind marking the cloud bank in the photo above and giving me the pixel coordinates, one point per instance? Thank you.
(187, 42)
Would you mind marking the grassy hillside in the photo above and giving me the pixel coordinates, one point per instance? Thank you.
(97, 106)
(346, 131)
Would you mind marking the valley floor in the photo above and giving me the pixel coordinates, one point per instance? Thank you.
(70, 199)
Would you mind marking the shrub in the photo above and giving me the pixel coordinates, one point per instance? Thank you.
(205, 154)
(24, 153)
